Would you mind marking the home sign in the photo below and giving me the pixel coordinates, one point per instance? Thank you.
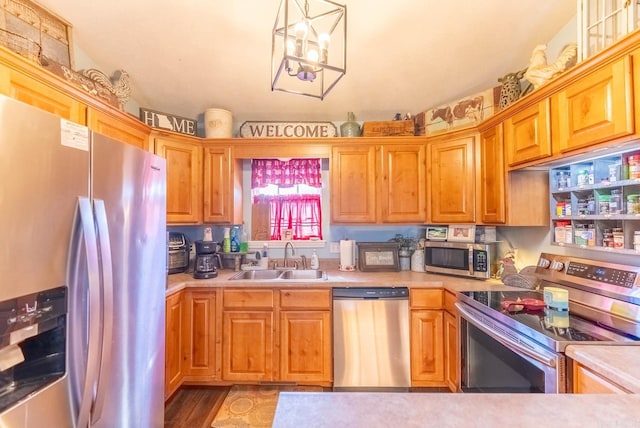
(156, 119)
(288, 130)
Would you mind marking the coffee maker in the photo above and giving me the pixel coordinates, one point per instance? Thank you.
(206, 258)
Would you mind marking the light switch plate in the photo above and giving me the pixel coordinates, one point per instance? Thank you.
(334, 247)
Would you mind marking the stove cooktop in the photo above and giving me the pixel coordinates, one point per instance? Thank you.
(552, 328)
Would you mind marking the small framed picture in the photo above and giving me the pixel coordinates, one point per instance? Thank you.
(462, 233)
(287, 234)
(437, 233)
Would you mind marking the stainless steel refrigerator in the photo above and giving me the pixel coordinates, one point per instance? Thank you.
(84, 214)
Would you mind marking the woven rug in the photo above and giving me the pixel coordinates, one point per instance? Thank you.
(252, 405)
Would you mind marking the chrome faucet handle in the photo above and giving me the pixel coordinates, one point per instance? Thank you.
(303, 258)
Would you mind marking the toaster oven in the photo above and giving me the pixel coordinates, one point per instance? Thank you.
(179, 250)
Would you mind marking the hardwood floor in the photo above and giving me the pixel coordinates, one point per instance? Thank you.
(194, 406)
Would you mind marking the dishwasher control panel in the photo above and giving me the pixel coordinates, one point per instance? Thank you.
(371, 293)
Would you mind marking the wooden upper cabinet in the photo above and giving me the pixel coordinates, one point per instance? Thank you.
(491, 175)
(222, 184)
(353, 184)
(30, 91)
(121, 128)
(596, 108)
(184, 178)
(402, 193)
(451, 181)
(527, 134)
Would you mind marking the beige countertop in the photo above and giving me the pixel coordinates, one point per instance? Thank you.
(406, 410)
(337, 278)
(619, 364)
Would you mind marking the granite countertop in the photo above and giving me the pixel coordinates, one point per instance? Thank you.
(619, 364)
(407, 410)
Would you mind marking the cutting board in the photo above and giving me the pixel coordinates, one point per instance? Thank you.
(260, 222)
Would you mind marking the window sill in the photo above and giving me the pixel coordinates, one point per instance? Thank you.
(258, 245)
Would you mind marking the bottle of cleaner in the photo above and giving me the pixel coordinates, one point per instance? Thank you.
(235, 243)
(315, 263)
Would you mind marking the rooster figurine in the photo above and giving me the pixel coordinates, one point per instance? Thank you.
(539, 72)
(117, 85)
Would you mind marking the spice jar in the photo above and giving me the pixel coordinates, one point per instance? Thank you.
(615, 202)
(603, 204)
(583, 177)
(560, 209)
(607, 238)
(618, 237)
(633, 204)
(634, 166)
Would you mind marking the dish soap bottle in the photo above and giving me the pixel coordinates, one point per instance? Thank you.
(315, 263)
(226, 241)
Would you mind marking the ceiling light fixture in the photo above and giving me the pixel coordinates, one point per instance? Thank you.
(309, 47)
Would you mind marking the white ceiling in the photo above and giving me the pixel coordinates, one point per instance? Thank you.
(403, 55)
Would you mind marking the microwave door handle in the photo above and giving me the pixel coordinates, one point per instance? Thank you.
(84, 230)
(516, 347)
(106, 308)
(470, 255)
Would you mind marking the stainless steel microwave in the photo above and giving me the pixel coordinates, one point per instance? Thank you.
(461, 258)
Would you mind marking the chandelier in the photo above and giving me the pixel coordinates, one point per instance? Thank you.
(309, 47)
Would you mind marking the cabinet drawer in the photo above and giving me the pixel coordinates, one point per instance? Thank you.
(305, 299)
(247, 298)
(449, 302)
(429, 299)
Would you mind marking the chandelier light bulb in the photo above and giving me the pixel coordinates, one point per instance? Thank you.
(324, 40)
(312, 55)
(300, 30)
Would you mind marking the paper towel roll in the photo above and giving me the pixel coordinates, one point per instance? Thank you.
(347, 255)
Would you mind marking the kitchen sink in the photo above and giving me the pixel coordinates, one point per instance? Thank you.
(279, 275)
(304, 274)
(257, 275)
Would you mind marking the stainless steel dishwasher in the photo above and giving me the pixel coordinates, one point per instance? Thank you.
(371, 339)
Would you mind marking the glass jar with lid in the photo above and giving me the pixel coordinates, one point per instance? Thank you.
(603, 204)
(633, 204)
(615, 202)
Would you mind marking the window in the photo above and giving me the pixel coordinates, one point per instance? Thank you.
(292, 188)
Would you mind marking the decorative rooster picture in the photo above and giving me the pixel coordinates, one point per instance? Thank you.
(118, 84)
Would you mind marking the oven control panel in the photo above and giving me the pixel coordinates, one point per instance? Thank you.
(606, 275)
(588, 272)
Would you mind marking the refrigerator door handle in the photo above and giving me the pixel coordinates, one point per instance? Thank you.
(86, 231)
(104, 248)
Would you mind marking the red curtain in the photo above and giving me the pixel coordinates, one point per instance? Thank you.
(285, 173)
(301, 213)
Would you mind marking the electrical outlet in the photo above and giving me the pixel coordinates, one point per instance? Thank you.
(334, 247)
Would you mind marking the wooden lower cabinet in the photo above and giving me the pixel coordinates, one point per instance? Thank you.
(247, 334)
(247, 346)
(173, 343)
(305, 337)
(427, 338)
(586, 381)
(199, 336)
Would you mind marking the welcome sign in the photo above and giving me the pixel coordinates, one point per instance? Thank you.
(288, 130)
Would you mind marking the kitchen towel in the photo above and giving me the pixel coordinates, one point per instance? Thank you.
(347, 255)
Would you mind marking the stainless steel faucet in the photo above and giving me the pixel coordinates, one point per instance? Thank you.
(293, 252)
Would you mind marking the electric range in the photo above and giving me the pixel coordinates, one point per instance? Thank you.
(511, 341)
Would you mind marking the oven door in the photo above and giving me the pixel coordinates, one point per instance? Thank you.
(497, 359)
